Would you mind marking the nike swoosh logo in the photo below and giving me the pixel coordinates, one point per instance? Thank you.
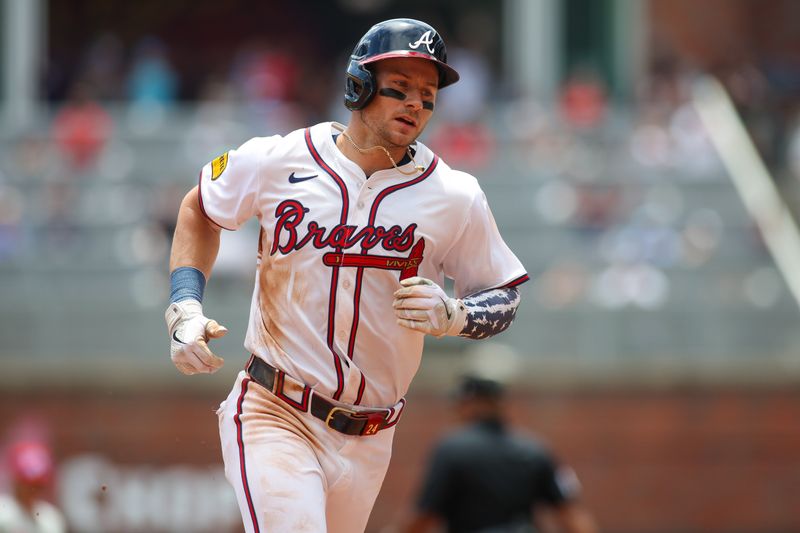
(175, 337)
(298, 179)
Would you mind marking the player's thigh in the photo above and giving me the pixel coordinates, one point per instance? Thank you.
(351, 498)
(285, 487)
(275, 473)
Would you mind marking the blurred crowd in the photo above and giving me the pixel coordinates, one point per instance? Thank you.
(619, 177)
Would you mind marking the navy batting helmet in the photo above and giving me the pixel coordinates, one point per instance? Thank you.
(393, 38)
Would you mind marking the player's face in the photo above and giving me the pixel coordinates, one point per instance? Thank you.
(403, 103)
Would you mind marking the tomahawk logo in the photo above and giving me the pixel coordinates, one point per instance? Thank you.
(426, 39)
(408, 266)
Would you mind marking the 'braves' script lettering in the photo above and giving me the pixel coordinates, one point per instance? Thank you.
(289, 235)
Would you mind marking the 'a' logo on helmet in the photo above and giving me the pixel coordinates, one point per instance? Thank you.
(426, 39)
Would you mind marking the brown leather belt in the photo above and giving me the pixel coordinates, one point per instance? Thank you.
(342, 419)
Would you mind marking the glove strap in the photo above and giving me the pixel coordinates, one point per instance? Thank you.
(177, 311)
(459, 321)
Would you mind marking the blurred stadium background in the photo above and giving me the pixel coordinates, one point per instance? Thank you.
(657, 348)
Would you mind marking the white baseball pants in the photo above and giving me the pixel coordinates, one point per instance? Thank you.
(291, 472)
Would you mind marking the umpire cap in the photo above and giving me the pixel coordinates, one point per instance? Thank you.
(475, 387)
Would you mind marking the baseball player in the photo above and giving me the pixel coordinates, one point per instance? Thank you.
(360, 224)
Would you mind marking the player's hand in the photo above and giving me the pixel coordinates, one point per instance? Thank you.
(189, 333)
(423, 306)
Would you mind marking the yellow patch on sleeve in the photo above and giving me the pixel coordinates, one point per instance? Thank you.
(218, 166)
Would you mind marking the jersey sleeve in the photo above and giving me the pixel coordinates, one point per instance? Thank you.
(480, 259)
(229, 184)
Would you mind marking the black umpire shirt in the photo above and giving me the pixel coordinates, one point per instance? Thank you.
(484, 478)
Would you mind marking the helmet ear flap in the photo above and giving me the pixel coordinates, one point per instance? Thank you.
(359, 86)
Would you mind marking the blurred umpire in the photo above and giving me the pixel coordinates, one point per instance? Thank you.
(483, 478)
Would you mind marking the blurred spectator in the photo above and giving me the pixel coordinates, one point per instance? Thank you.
(470, 145)
(267, 79)
(462, 137)
(151, 80)
(265, 74)
(756, 102)
(667, 85)
(598, 206)
(102, 67)
(215, 124)
(484, 478)
(26, 509)
(468, 100)
(583, 98)
(81, 127)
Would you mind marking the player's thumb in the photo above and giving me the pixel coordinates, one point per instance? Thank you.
(214, 330)
(416, 280)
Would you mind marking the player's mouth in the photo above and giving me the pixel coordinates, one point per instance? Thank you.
(408, 121)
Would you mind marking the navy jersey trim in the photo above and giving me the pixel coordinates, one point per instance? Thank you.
(518, 281)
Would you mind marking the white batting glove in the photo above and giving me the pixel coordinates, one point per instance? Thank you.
(189, 332)
(423, 306)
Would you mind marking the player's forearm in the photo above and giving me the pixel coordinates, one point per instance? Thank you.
(196, 240)
(490, 312)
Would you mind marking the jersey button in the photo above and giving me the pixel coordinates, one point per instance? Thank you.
(360, 205)
(346, 284)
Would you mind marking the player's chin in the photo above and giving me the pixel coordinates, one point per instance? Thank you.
(404, 134)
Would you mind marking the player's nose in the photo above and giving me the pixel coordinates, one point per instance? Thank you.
(413, 100)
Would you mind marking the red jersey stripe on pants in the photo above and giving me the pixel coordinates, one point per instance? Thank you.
(243, 466)
(300, 475)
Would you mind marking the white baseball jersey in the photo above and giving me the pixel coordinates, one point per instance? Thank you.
(333, 248)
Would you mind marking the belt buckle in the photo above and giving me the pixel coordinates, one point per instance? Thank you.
(333, 412)
(372, 421)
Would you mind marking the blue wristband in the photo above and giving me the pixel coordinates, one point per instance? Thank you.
(186, 283)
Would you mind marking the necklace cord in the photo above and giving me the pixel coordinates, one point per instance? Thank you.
(417, 168)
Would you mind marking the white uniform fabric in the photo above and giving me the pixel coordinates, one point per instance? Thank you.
(333, 248)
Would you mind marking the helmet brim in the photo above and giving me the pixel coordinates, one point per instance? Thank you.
(448, 74)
